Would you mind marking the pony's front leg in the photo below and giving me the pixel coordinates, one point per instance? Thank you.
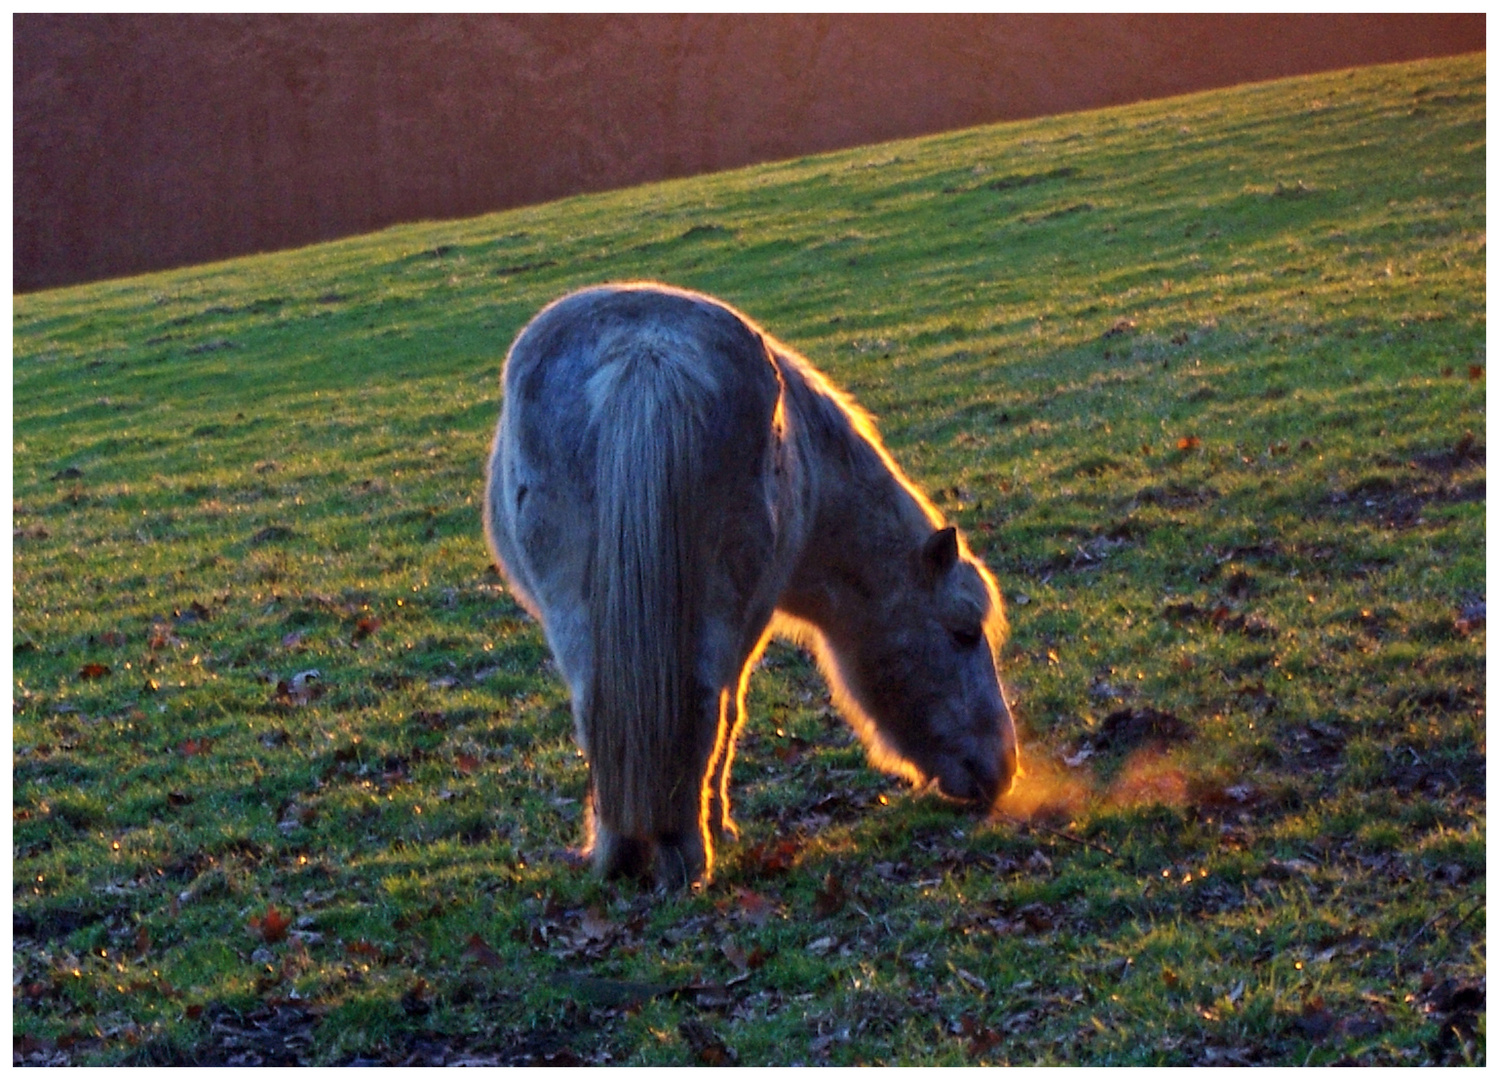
(684, 854)
(717, 787)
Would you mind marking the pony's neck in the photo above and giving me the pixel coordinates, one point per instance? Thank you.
(867, 521)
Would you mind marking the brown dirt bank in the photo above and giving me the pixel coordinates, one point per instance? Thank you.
(148, 141)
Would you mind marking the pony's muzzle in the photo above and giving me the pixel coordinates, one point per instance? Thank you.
(980, 768)
(981, 775)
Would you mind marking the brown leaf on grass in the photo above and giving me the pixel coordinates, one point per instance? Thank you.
(791, 750)
(830, 898)
(745, 962)
(195, 747)
(1037, 917)
(365, 627)
(594, 925)
(94, 671)
(981, 1039)
(734, 954)
(1475, 372)
(270, 927)
(479, 952)
(366, 950)
(772, 856)
(753, 907)
(707, 1047)
(414, 1001)
(466, 763)
(1188, 442)
(161, 637)
(142, 942)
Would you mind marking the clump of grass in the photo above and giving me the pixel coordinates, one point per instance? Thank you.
(1202, 380)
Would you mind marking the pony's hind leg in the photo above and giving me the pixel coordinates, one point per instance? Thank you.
(615, 855)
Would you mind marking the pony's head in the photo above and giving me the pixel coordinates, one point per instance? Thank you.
(921, 681)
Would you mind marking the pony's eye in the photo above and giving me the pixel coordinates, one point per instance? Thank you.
(967, 639)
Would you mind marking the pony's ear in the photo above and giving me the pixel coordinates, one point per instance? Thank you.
(940, 552)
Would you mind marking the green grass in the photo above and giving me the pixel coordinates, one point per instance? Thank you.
(1197, 378)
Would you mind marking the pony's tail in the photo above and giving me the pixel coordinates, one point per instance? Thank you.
(641, 722)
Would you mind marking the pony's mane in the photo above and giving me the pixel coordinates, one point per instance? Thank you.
(845, 421)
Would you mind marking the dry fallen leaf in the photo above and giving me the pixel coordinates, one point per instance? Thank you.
(981, 1039)
(94, 671)
(830, 898)
(363, 948)
(773, 856)
(162, 637)
(708, 1047)
(753, 907)
(734, 954)
(480, 953)
(594, 925)
(365, 627)
(1188, 442)
(271, 927)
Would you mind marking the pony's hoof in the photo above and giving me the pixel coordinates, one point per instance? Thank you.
(622, 856)
(679, 865)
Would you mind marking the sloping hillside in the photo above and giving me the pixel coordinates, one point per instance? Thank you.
(1202, 380)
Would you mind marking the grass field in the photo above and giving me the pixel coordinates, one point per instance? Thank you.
(1203, 382)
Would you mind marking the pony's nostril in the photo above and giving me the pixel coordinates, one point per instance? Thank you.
(984, 774)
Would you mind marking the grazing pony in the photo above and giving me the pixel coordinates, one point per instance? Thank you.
(669, 486)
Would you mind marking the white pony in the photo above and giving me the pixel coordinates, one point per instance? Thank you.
(668, 486)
